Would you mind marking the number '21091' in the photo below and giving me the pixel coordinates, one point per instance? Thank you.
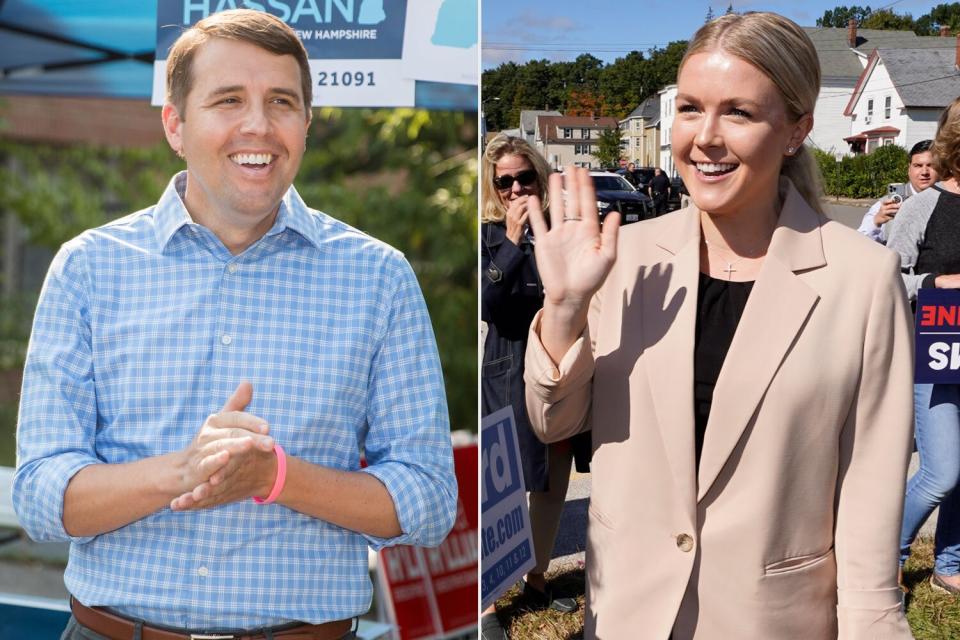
(346, 79)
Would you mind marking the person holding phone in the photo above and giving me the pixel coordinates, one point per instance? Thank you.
(921, 174)
(744, 365)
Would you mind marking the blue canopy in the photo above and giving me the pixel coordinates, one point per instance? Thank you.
(106, 48)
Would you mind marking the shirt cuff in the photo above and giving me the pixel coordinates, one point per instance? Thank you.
(421, 523)
(929, 281)
(46, 488)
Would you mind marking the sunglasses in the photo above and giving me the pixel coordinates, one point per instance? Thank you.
(525, 178)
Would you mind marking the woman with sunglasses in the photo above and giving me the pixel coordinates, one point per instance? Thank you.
(745, 365)
(512, 173)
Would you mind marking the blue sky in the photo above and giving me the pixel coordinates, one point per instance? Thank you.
(521, 30)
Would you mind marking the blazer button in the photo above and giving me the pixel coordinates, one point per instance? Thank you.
(684, 542)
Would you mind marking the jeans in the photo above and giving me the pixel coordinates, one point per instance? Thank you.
(76, 631)
(937, 433)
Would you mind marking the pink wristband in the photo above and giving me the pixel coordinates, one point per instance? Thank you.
(281, 477)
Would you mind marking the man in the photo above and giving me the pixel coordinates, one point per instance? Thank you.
(310, 338)
(659, 190)
(920, 175)
(628, 174)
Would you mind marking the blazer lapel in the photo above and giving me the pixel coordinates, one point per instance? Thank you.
(668, 332)
(776, 311)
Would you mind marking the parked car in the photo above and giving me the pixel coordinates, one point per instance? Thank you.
(676, 188)
(614, 193)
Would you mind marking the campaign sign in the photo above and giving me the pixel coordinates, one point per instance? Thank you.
(355, 46)
(432, 593)
(506, 549)
(938, 336)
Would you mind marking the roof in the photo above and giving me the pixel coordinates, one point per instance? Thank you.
(838, 62)
(528, 119)
(548, 125)
(648, 109)
(874, 133)
(923, 77)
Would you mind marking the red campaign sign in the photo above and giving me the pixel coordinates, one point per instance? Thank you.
(433, 592)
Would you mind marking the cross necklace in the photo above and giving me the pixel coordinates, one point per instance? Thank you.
(729, 270)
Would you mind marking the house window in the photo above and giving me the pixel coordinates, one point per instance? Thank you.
(585, 134)
(887, 141)
(581, 148)
(870, 108)
(886, 107)
(568, 133)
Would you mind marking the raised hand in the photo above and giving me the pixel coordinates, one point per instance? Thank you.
(573, 256)
(225, 441)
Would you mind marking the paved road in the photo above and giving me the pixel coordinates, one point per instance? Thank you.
(572, 539)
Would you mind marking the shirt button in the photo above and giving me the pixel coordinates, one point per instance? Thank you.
(684, 542)
(232, 267)
(225, 339)
(203, 572)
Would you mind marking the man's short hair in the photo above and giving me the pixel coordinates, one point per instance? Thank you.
(244, 25)
(921, 147)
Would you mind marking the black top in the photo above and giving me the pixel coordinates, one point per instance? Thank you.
(939, 252)
(720, 305)
(660, 184)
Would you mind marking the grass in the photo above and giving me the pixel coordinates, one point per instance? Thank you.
(932, 615)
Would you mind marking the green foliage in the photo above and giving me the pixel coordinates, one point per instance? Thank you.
(863, 176)
(585, 84)
(942, 15)
(608, 147)
(840, 16)
(405, 176)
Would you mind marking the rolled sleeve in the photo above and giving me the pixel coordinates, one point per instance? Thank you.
(408, 440)
(57, 419)
(558, 395)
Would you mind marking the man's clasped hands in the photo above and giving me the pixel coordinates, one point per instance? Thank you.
(231, 458)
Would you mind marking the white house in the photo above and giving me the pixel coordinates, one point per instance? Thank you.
(668, 110)
(843, 55)
(900, 95)
(570, 140)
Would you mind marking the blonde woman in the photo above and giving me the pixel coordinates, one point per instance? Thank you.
(745, 366)
(511, 293)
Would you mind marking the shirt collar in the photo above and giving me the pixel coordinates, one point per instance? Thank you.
(171, 214)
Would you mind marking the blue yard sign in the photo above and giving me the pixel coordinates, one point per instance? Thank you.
(506, 549)
(938, 336)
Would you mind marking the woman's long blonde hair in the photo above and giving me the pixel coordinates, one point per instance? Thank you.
(946, 146)
(503, 145)
(784, 53)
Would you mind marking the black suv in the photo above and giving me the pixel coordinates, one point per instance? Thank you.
(614, 193)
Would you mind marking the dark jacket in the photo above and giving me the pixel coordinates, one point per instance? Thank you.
(511, 294)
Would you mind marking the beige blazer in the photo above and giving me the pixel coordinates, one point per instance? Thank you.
(789, 530)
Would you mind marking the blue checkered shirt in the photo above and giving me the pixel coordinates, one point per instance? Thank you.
(146, 325)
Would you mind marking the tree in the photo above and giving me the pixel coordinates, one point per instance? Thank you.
(608, 147)
(888, 20)
(840, 16)
(729, 9)
(709, 15)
